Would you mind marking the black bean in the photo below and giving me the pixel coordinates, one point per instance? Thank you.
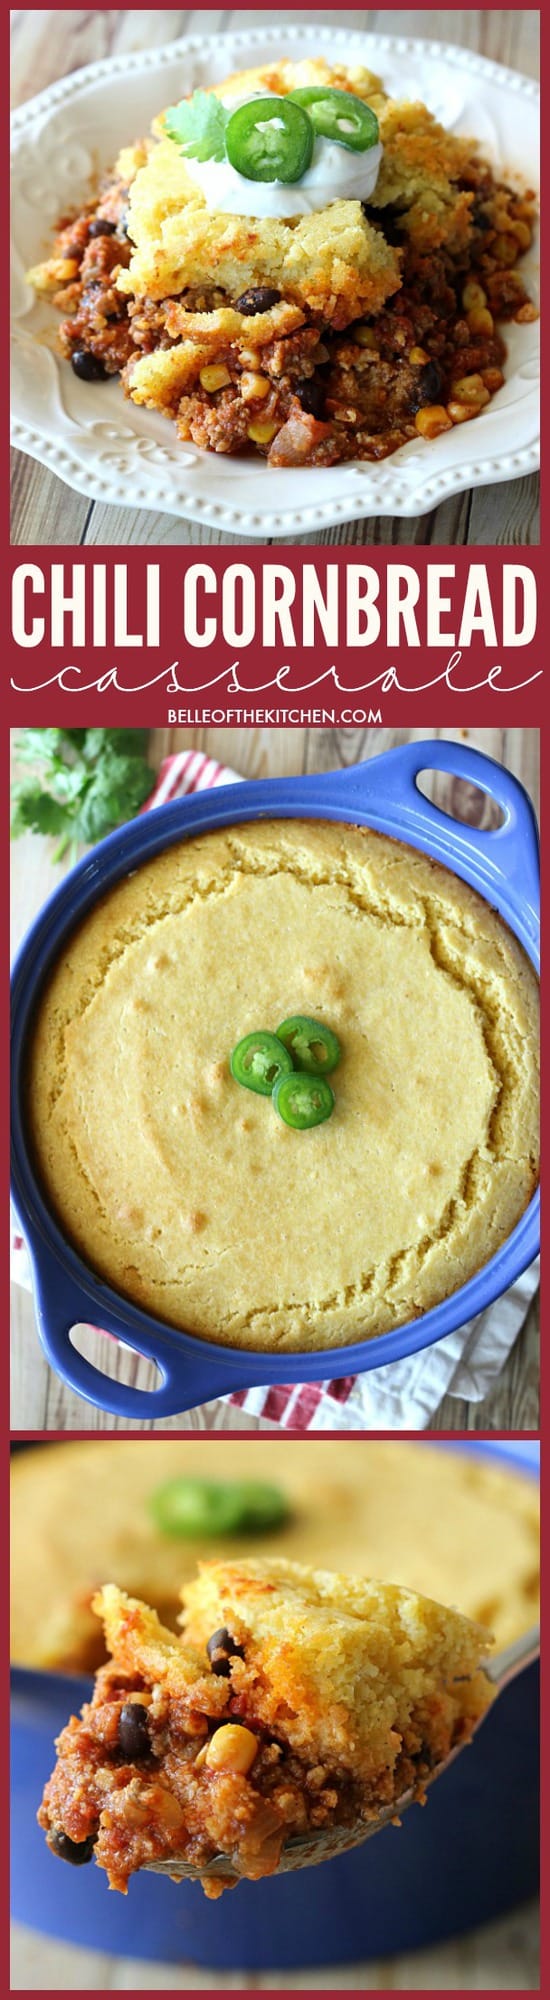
(133, 1731)
(311, 396)
(428, 386)
(87, 366)
(427, 1755)
(221, 1649)
(75, 1851)
(101, 227)
(257, 300)
(389, 220)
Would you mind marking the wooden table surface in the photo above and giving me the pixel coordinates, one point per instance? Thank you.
(49, 43)
(39, 1399)
(501, 1957)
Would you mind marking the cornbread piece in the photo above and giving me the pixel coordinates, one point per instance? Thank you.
(421, 176)
(168, 1177)
(348, 1666)
(334, 261)
(444, 1523)
(285, 75)
(422, 165)
(335, 1696)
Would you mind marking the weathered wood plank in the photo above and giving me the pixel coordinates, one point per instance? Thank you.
(48, 513)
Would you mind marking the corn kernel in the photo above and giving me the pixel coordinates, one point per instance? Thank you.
(473, 295)
(365, 336)
(418, 356)
(522, 233)
(461, 412)
(526, 313)
(216, 377)
(231, 1748)
(480, 320)
(470, 389)
(254, 387)
(432, 420)
(262, 433)
(57, 271)
(505, 250)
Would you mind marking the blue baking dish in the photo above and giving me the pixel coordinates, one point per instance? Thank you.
(503, 865)
(470, 1856)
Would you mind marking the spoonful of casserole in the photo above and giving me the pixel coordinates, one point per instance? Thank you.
(297, 1713)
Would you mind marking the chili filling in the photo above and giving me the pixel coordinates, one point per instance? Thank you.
(432, 358)
(226, 1746)
(133, 1787)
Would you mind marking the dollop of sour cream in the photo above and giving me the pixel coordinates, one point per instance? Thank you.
(335, 174)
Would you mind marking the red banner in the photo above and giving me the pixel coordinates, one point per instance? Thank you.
(276, 637)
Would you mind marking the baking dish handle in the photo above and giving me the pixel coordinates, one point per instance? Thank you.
(510, 851)
(188, 1376)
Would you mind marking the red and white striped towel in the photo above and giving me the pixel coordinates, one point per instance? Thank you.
(188, 771)
(405, 1394)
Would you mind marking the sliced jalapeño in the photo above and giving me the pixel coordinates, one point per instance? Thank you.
(338, 114)
(270, 139)
(313, 1046)
(302, 1100)
(259, 1060)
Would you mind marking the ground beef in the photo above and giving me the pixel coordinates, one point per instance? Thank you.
(131, 1814)
(96, 241)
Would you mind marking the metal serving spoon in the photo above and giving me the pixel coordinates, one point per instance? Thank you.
(308, 1848)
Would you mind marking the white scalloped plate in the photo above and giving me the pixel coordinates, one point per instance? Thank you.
(109, 450)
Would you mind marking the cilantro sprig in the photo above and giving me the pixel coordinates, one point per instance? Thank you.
(79, 784)
(197, 126)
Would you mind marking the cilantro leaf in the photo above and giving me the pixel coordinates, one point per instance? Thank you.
(79, 783)
(36, 812)
(130, 742)
(197, 126)
(119, 786)
(40, 745)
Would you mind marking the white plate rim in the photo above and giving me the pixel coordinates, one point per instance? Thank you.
(430, 490)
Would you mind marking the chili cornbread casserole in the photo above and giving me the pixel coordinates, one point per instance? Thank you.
(190, 1195)
(296, 1706)
(443, 1523)
(297, 265)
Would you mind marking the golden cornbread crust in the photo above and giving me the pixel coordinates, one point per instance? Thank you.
(341, 1663)
(341, 1694)
(422, 164)
(334, 336)
(333, 261)
(187, 1192)
(440, 1523)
